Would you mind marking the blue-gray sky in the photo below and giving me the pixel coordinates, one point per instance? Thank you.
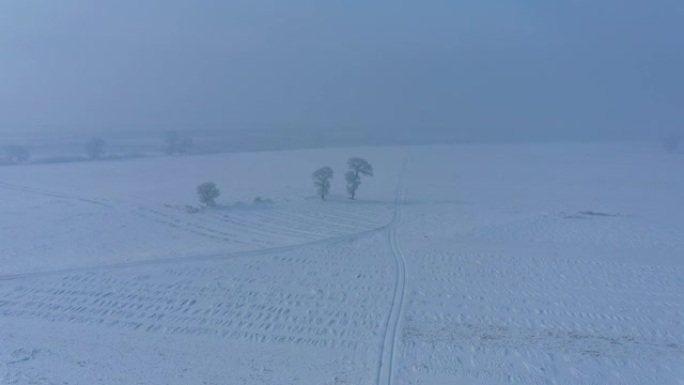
(487, 68)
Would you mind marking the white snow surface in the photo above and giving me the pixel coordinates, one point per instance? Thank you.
(458, 264)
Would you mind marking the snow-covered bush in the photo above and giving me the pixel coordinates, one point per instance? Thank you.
(321, 178)
(208, 192)
(95, 147)
(17, 154)
(357, 167)
(672, 142)
(176, 144)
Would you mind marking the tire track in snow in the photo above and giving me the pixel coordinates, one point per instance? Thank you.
(53, 194)
(206, 257)
(258, 232)
(387, 356)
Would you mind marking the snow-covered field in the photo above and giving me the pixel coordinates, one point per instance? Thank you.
(459, 264)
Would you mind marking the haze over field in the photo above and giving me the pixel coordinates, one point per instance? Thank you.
(477, 264)
(473, 70)
(266, 192)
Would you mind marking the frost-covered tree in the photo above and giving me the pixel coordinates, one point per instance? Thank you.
(17, 154)
(672, 142)
(208, 192)
(176, 144)
(353, 183)
(95, 147)
(357, 167)
(321, 178)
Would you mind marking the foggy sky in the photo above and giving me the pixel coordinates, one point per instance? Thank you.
(498, 68)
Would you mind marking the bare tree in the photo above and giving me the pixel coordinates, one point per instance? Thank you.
(672, 142)
(357, 167)
(321, 179)
(176, 144)
(353, 183)
(208, 192)
(17, 154)
(95, 147)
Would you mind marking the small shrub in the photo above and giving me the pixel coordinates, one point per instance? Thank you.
(17, 154)
(673, 142)
(95, 148)
(208, 192)
(176, 144)
(357, 167)
(321, 178)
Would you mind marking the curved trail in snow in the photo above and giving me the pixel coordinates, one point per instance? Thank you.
(167, 260)
(52, 194)
(391, 333)
(204, 257)
(392, 327)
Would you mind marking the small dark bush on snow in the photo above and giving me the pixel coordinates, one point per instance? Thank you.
(357, 167)
(17, 154)
(208, 192)
(95, 148)
(321, 178)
